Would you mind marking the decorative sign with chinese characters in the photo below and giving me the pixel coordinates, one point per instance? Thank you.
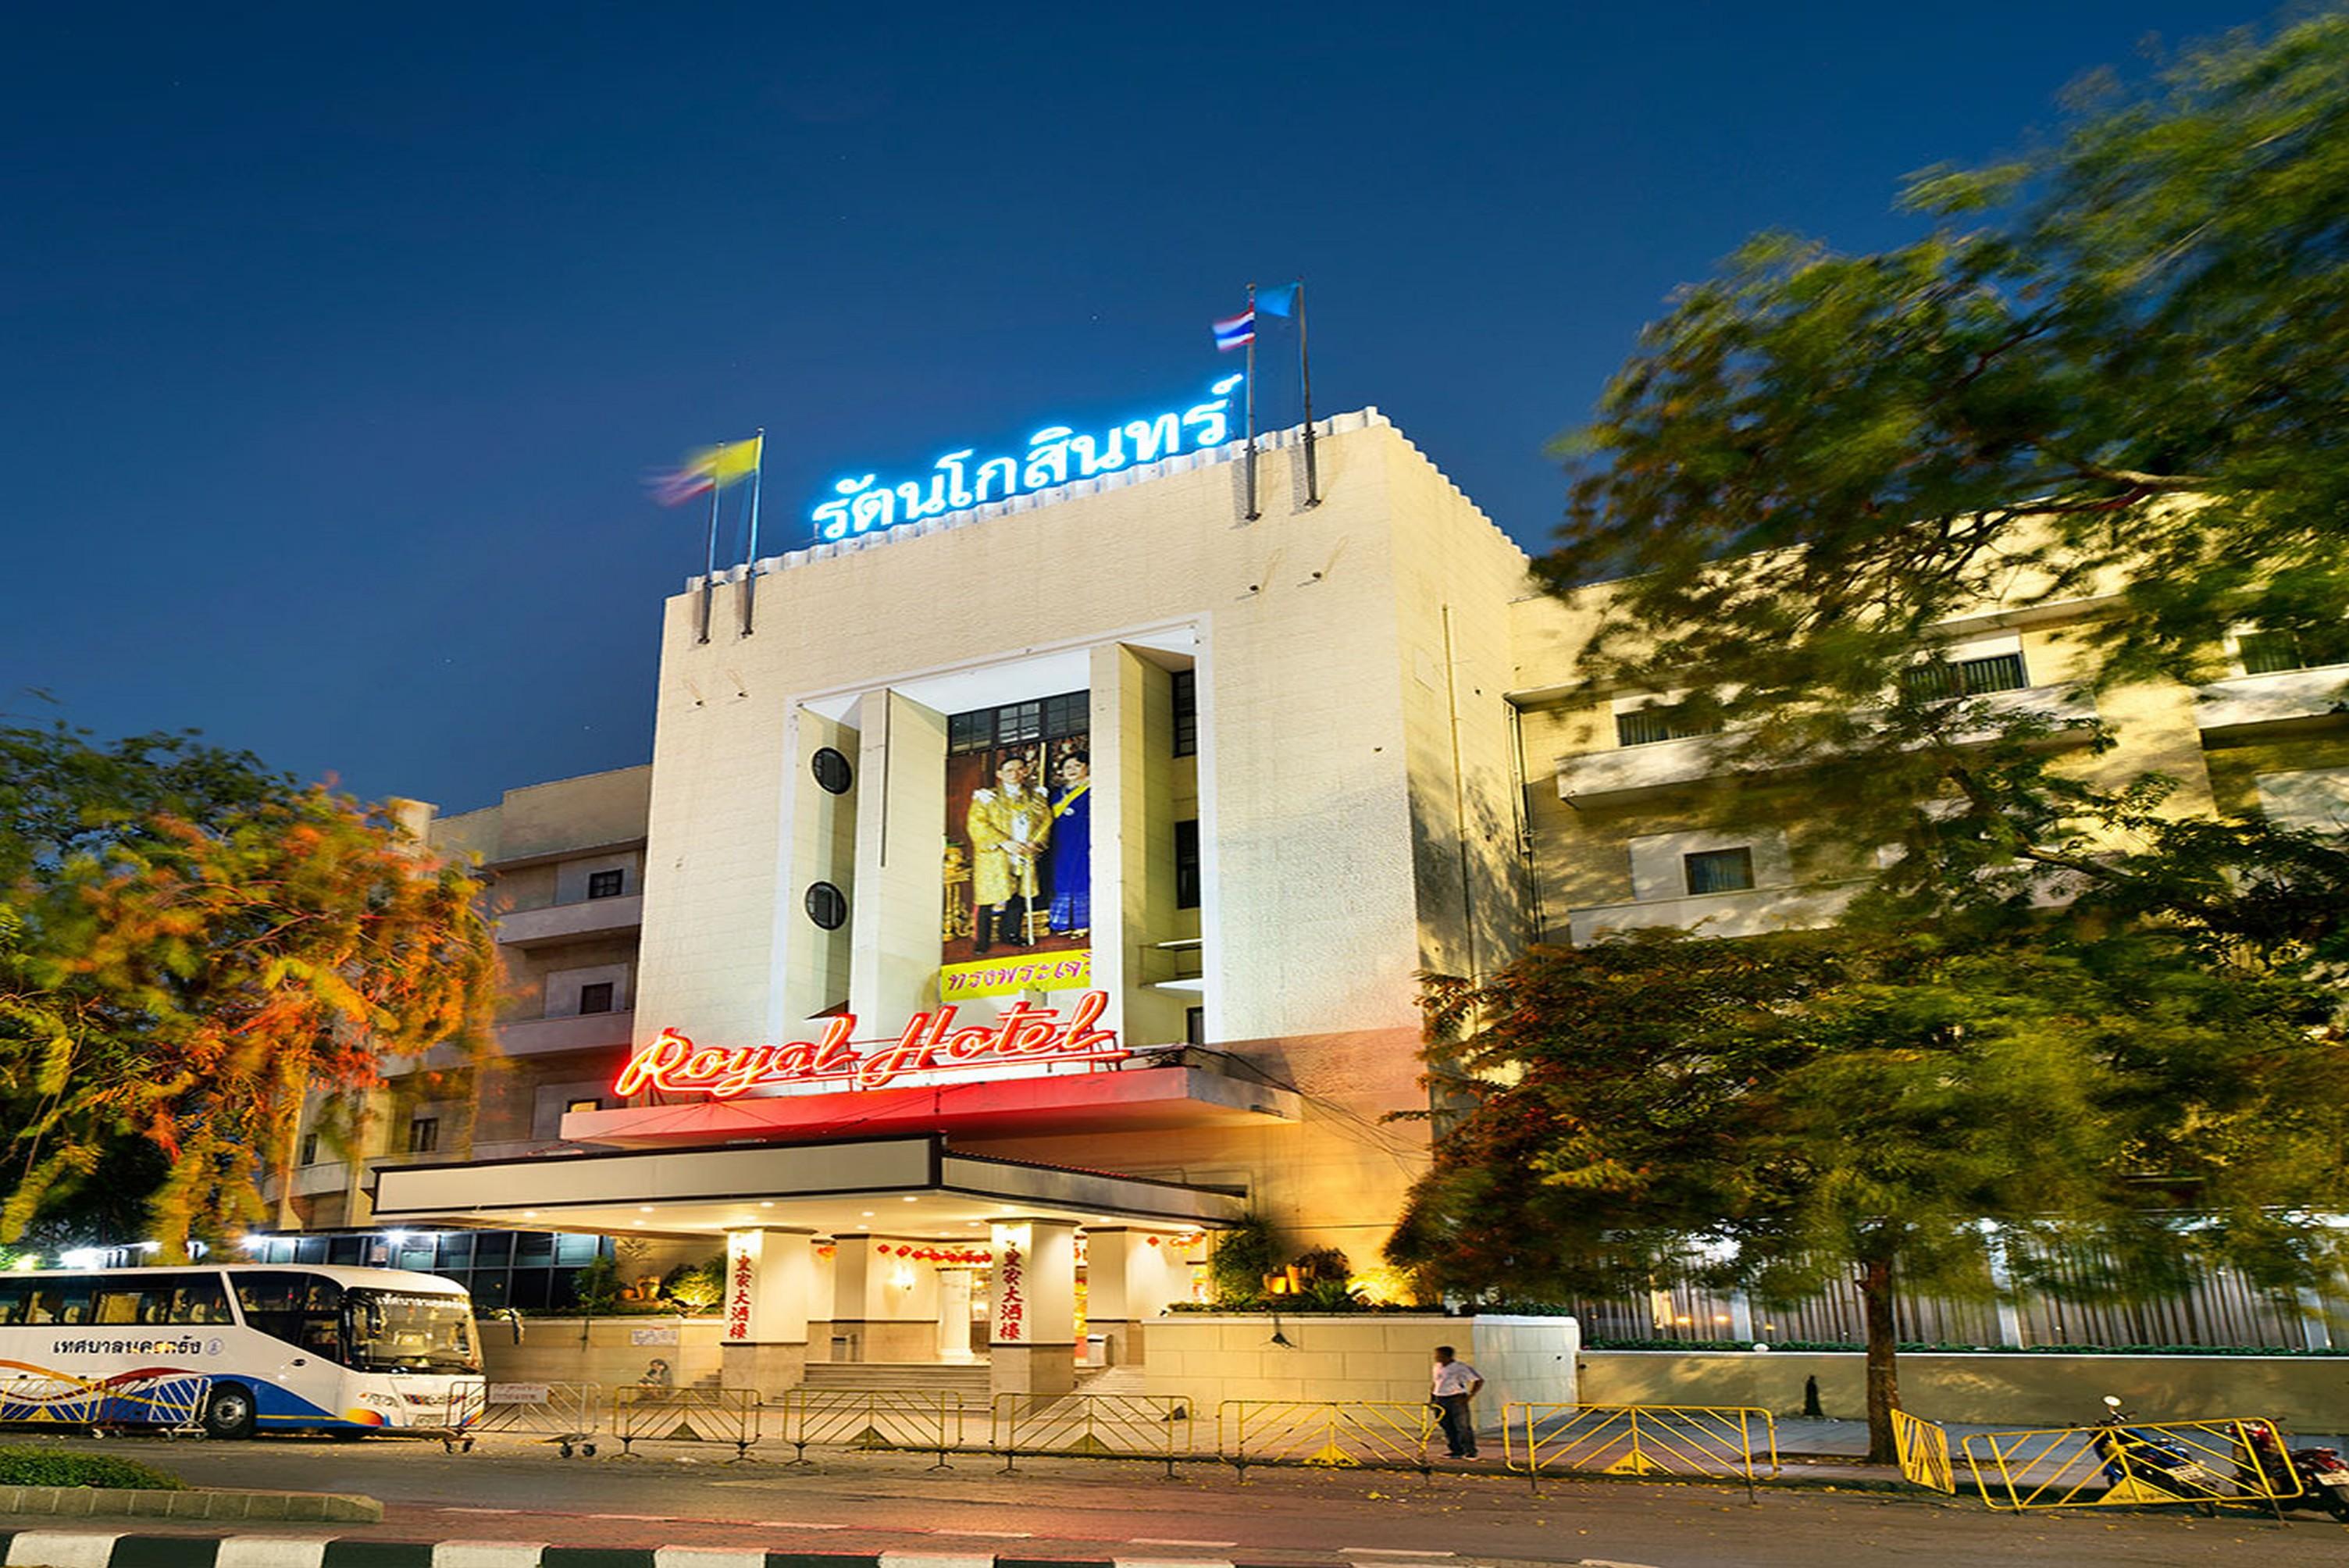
(1023, 1036)
(1056, 454)
(1010, 1298)
(741, 1277)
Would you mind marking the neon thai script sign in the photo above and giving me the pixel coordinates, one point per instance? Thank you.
(1056, 454)
(1023, 1036)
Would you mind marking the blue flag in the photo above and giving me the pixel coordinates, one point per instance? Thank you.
(1279, 300)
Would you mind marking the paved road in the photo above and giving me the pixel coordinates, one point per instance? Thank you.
(512, 1491)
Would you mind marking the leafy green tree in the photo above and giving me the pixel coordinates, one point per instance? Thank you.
(1773, 1110)
(696, 1288)
(188, 944)
(2113, 367)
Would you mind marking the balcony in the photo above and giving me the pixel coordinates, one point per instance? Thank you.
(1746, 913)
(2306, 698)
(571, 922)
(545, 1037)
(1622, 774)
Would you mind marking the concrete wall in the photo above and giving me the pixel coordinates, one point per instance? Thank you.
(2310, 1394)
(553, 1350)
(1209, 1356)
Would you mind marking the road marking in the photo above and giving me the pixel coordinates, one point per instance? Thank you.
(985, 1535)
(1389, 1552)
(1169, 1540)
(476, 1511)
(791, 1524)
(635, 1518)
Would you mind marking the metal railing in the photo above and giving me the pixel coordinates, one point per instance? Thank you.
(641, 1415)
(1725, 1441)
(1099, 1425)
(1923, 1448)
(924, 1421)
(173, 1401)
(567, 1415)
(2143, 1463)
(1365, 1433)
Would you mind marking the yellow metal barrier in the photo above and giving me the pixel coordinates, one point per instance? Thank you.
(1346, 1434)
(564, 1414)
(1924, 1450)
(1106, 1425)
(1727, 1442)
(640, 1413)
(2203, 1463)
(922, 1419)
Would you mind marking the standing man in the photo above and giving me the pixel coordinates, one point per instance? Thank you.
(1007, 827)
(1456, 1383)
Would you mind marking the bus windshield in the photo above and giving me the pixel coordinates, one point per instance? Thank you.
(401, 1331)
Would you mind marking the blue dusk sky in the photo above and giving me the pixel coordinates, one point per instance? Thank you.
(339, 339)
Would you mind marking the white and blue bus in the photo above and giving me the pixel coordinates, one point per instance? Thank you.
(240, 1350)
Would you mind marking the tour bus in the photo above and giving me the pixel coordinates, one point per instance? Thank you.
(241, 1348)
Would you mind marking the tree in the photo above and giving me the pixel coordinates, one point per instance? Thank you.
(2116, 363)
(188, 944)
(696, 1287)
(1770, 1110)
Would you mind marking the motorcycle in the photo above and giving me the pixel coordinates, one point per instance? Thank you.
(2141, 1457)
(2300, 1478)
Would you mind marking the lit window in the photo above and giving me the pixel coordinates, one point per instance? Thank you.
(424, 1135)
(1945, 678)
(1718, 870)
(604, 884)
(583, 1105)
(595, 997)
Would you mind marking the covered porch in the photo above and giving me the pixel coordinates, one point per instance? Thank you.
(896, 1250)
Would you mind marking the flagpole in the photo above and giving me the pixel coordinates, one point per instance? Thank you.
(709, 572)
(1304, 377)
(750, 549)
(1252, 514)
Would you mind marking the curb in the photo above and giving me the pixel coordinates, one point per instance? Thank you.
(193, 1502)
(84, 1549)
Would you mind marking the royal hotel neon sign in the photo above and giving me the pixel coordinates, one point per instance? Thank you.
(1024, 1035)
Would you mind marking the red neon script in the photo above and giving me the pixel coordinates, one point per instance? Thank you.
(930, 1044)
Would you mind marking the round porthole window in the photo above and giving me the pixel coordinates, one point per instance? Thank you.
(827, 905)
(831, 771)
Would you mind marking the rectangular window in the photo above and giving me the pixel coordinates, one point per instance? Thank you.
(604, 884)
(1195, 1025)
(595, 997)
(1186, 865)
(1019, 721)
(1647, 726)
(1718, 870)
(1046, 718)
(424, 1135)
(2265, 653)
(583, 1105)
(1069, 714)
(309, 1148)
(1186, 713)
(1945, 678)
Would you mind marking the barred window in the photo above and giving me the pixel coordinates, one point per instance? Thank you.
(1045, 718)
(1186, 865)
(1647, 726)
(1186, 713)
(2265, 653)
(1945, 678)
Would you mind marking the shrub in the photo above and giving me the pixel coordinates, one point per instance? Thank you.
(24, 1465)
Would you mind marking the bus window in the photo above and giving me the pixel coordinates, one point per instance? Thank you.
(14, 1296)
(199, 1298)
(61, 1300)
(298, 1308)
(117, 1303)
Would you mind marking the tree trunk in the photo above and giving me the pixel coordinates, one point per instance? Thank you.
(1883, 1374)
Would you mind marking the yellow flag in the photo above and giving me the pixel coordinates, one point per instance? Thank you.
(711, 467)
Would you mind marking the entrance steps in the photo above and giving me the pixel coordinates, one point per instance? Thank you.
(968, 1380)
(1110, 1380)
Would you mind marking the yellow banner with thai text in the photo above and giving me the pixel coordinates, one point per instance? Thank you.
(1069, 970)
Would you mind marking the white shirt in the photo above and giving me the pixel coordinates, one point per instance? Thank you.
(1455, 1377)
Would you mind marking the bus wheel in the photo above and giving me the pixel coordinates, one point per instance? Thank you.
(229, 1412)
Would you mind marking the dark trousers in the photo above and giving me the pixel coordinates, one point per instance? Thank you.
(1459, 1425)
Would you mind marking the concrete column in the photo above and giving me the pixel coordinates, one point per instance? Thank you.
(954, 1315)
(1032, 1346)
(1132, 713)
(770, 1281)
(850, 1266)
(900, 835)
(1130, 1278)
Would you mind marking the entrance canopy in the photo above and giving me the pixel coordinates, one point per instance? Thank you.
(896, 1186)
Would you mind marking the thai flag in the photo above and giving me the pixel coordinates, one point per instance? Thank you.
(1238, 332)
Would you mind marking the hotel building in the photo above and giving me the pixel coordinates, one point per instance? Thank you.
(1021, 892)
